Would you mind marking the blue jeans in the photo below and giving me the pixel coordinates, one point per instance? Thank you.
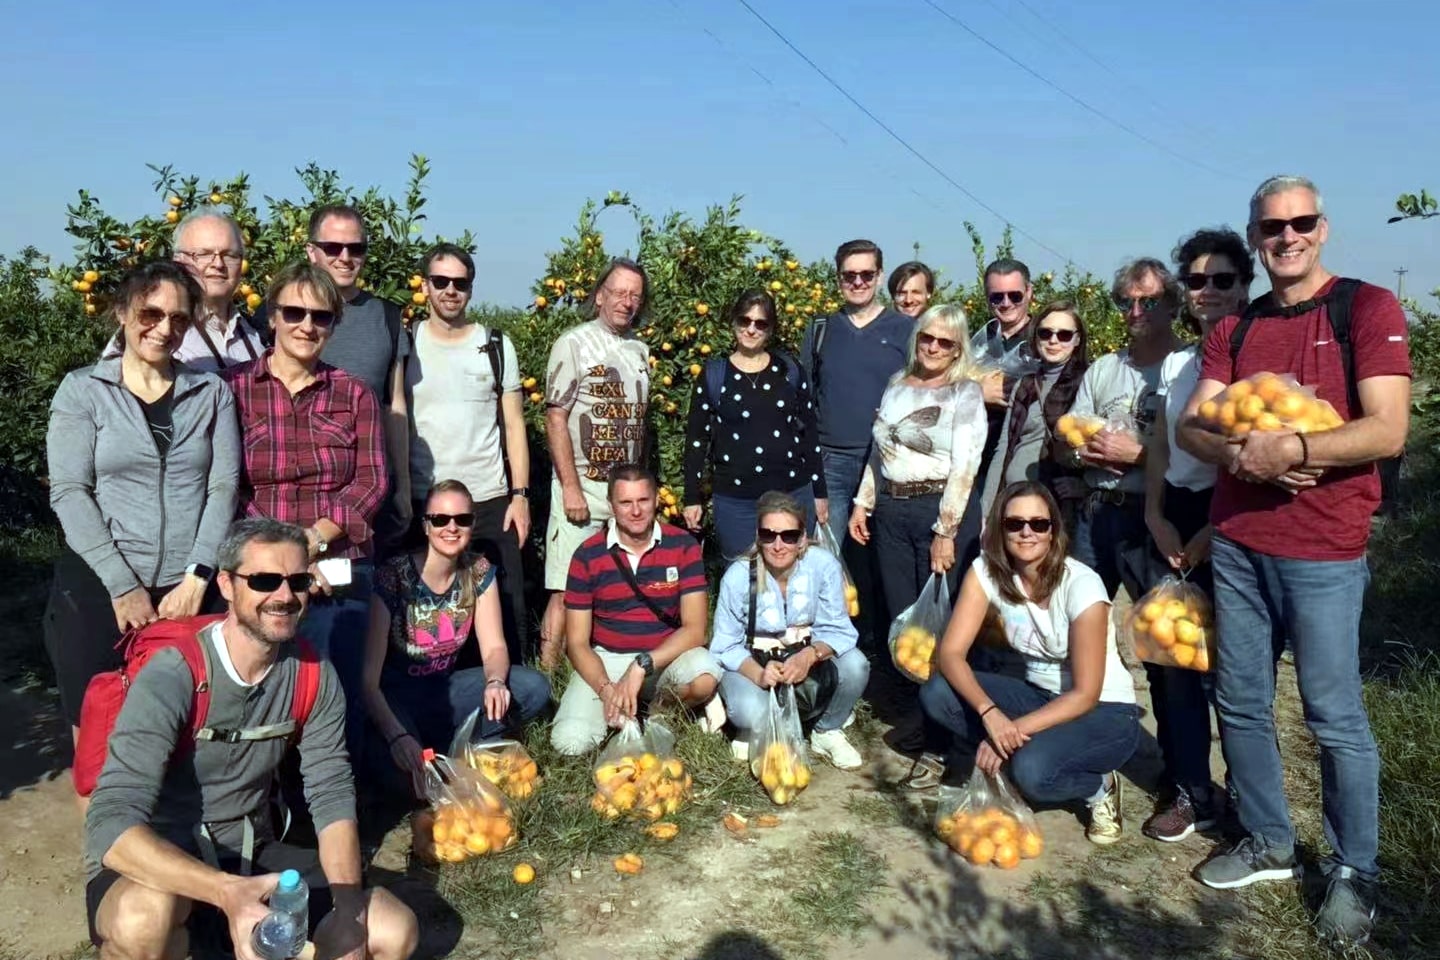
(735, 520)
(746, 704)
(1112, 540)
(1064, 763)
(337, 626)
(843, 469)
(1261, 601)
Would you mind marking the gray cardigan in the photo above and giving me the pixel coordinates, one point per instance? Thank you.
(136, 518)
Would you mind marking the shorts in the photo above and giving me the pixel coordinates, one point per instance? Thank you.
(205, 920)
(563, 537)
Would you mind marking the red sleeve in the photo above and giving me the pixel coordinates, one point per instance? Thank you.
(578, 592)
(1215, 362)
(1379, 335)
(354, 506)
(692, 568)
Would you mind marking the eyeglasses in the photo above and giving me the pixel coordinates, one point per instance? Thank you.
(1040, 525)
(462, 520)
(1220, 281)
(756, 323)
(1146, 304)
(622, 296)
(788, 537)
(858, 278)
(1273, 227)
(443, 283)
(926, 339)
(229, 257)
(333, 250)
(321, 318)
(1000, 296)
(1054, 333)
(149, 316)
(270, 582)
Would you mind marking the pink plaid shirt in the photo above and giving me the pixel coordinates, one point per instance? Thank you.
(319, 453)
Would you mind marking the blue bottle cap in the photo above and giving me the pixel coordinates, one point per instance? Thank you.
(290, 880)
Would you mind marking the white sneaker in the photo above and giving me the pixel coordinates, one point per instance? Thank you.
(740, 750)
(832, 745)
(849, 721)
(713, 718)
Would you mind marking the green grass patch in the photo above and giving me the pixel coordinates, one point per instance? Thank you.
(820, 892)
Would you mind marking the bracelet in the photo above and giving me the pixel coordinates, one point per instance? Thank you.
(987, 710)
(495, 681)
(1304, 450)
(397, 738)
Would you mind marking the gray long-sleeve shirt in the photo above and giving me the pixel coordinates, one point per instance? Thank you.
(145, 782)
(137, 518)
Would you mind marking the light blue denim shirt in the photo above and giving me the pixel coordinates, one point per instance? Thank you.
(815, 598)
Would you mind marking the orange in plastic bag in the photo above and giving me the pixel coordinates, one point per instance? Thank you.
(915, 634)
(1267, 401)
(638, 775)
(826, 541)
(1077, 429)
(1173, 625)
(987, 823)
(778, 757)
(467, 817)
(504, 763)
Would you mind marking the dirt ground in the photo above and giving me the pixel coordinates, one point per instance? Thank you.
(706, 900)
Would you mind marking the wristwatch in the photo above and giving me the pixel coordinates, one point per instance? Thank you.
(321, 544)
(520, 492)
(645, 662)
(202, 571)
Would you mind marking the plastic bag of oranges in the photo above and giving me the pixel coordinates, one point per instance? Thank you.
(467, 817)
(915, 634)
(1174, 626)
(823, 538)
(987, 823)
(638, 775)
(1267, 401)
(1076, 429)
(504, 763)
(778, 757)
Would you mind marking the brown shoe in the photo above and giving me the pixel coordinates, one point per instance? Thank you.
(1178, 819)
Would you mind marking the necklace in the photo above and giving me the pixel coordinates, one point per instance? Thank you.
(752, 376)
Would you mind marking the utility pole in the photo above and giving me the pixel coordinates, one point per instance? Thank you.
(1400, 283)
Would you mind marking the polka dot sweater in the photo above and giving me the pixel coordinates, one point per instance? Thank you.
(759, 435)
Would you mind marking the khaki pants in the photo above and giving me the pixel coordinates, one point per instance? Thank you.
(580, 719)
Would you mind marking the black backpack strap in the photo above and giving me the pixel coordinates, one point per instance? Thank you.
(495, 350)
(1339, 303)
(394, 329)
(750, 615)
(623, 565)
(816, 342)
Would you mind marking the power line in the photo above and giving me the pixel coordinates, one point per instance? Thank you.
(1070, 96)
(899, 139)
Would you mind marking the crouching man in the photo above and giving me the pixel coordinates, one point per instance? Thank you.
(179, 824)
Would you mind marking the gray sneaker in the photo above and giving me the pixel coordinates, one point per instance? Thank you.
(1348, 912)
(1249, 861)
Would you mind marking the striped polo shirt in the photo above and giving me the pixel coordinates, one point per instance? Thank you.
(669, 569)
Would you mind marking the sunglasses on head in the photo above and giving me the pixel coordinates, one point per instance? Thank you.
(746, 323)
(789, 537)
(1146, 304)
(321, 318)
(1224, 280)
(926, 339)
(149, 316)
(1054, 333)
(1273, 227)
(1000, 296)
(858, 278)
(333, 250)
(462, 520)
(270, 582)
(1017, 524)
(443, 283)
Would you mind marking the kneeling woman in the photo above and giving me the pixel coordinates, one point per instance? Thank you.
(1072, 720)
(781, 618)
(422, 611)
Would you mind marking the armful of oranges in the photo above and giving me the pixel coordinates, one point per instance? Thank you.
(1266, 401)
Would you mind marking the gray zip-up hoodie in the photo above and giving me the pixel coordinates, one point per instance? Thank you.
(139, 519)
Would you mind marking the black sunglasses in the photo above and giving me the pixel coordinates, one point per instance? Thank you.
(760, 324)
(149, 316)
(925, 339)
(1146, 304)
(1000, 296)
(1273, 227)
(321, 318)
(462, 520)
(1054, 333)
(858, 277)
(1016, 524)
(333, 250)
(270, 582)
(1224, 280)
(791, 537)
(441, 283)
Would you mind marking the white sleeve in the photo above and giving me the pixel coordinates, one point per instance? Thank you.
(510, 366)
(1083, 589)
(983, 575)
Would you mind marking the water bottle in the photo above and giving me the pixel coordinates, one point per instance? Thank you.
(281, 935)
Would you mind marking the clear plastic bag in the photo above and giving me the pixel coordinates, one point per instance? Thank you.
(986, 822)
(916, 633)
(638, 775)
(1173, 625)
(1267, 401)
(823, 538)
(468, 817)
(778, 756)
(1077, 429)
(504, 763)
(990, 356)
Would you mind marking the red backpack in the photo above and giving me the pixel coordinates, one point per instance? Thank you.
(106, 694)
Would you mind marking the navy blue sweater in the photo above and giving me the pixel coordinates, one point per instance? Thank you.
(855, 365)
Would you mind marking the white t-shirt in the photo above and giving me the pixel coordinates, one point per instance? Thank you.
(1042, 637)
(1178, 376)
(454, 434)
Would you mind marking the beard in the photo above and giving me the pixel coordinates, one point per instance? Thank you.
(267, 629)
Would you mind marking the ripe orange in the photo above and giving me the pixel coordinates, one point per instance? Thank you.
(1249, 408)
(1163, 630)
(1227, 416)
(982, 851)
(1269, 389)
(1007, 856)
(1183, 655)
(523, 873)
(1031, 844)
(1239, 390)
(1267, 421)
(1201, 660)
(1209, 410)
(1288, 406)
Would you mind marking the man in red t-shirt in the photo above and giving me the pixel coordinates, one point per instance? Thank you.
(1292, 516)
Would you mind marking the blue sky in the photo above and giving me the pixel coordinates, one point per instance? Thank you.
(525, 110)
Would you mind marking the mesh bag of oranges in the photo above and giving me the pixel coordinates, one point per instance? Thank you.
(1266, 401)
(504, 763)
(778, 757)
(638, 775)
(1174, 626)
(467, 817)
(917, 631)
(825, 540)
(987, 823)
